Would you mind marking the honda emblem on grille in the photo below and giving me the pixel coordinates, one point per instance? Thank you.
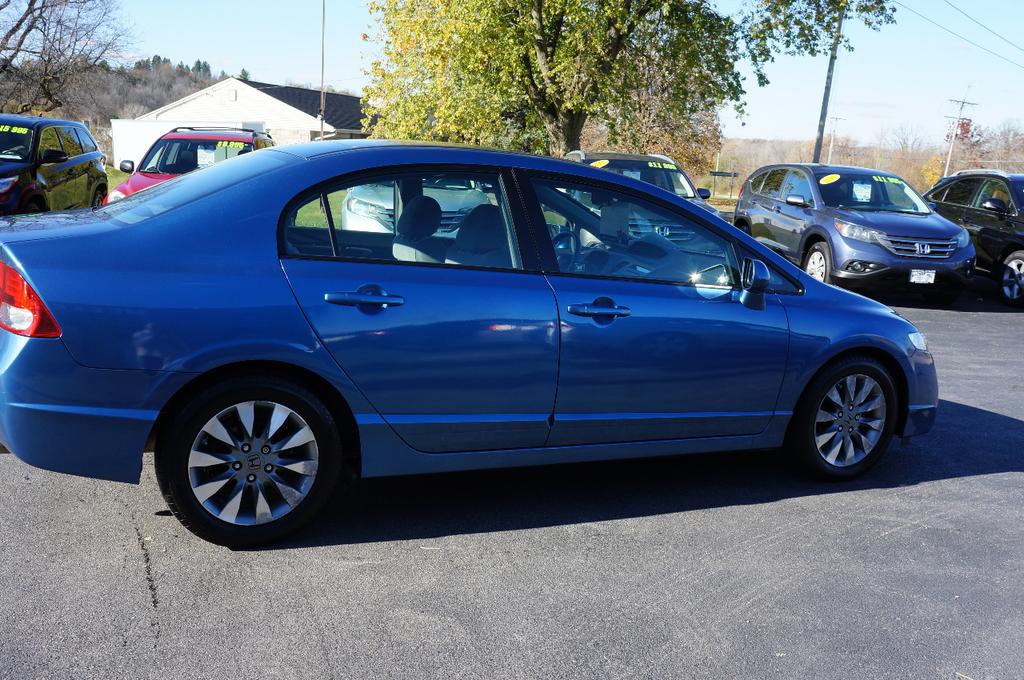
(923, 248)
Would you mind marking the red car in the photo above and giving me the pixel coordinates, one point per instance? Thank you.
(183, 150)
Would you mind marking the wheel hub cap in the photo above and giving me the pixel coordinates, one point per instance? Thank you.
(253, 462)
(850, 420)
(1013, 279)
(816, 266)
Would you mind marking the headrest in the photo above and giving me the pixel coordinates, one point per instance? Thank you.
(482, 230)
(614, 221)
(420, 218)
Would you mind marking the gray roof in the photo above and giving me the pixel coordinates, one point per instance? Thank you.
(342, 111)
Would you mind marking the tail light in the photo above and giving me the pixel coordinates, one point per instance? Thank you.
(22, 311)
(742, 187)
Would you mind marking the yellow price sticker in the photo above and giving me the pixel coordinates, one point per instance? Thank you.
(660, 165)
(15, 129)
(225, 144)
(829, 179)
(599, 164)
(887, 179)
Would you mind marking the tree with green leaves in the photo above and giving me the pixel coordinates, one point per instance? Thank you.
(530, 73)
(809, 27)
(243, 75)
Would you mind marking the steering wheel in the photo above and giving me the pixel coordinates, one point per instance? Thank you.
(567, 244)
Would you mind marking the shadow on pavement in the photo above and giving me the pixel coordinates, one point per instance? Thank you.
(981, 295)
(965, 442)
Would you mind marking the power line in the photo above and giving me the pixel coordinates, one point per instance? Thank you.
(1005, 40)
(951, 31)
(956, 129)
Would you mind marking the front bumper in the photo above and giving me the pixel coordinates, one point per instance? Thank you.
(922, 395)
(893, 272)
(58, 415)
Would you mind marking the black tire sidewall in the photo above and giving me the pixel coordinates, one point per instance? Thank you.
(824, 249)
(175, 444)
(801, 440)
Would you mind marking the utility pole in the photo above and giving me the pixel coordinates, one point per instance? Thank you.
(323, 43)
(956, 129)
(836, 41)
(832, 139)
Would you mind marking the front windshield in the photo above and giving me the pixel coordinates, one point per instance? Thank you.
(662, 174)
(178, 156)
(15, 143)
(862, 191)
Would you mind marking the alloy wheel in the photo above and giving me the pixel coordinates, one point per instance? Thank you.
(1013, 279)
(253, 463)
(850, 420)
(816, 265)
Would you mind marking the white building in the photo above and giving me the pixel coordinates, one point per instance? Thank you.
(289, 114)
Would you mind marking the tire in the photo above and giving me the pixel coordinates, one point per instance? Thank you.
(33, 206)
(97, 198)
(942, 298)
(276, 494)
(743, 226)
(806, 431)
(1011, 279)
(819, 258)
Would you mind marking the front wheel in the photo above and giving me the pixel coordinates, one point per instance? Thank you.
(249, 460)
(818, 262)
(1011, 279)
(845, 419)
(97, 198)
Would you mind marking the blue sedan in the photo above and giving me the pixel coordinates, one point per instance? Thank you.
(273, 321)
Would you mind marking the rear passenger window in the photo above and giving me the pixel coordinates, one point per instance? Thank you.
(88, 145)
(70, 141)
(960, 193)
(773, 183)
(454, 218)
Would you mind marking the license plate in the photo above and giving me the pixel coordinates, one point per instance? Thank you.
(922, 276)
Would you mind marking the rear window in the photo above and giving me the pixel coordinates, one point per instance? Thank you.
(773, 182)
(179, 191)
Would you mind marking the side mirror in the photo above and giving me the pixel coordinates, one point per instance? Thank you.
(51, 156)
(127, 167)
(756, 278)
(933, 205)
(797, 200)
(996, 205)
(704, 193)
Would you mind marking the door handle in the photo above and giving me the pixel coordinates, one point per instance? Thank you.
(360, 298)
(593, 310)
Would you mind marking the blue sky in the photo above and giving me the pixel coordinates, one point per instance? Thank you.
(902, 75)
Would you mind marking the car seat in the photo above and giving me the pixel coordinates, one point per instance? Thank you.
(482, 240)
(414, 233)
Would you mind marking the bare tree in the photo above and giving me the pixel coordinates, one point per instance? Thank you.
(48, 46)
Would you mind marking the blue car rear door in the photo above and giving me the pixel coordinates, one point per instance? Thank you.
(654, 342)
(416, 284)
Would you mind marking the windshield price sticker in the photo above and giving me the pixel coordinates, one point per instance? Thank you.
(15, 129)
(828, 179)
(889, 180)
(661, 165)
(224, 144)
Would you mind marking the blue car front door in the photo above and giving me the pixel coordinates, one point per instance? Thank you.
(654, 341)
(416, 288)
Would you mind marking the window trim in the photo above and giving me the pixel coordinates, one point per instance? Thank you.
(549, 260)
(529, 261)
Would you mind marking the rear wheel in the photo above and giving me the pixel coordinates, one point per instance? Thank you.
(1011, 279)
(845, 419)
(249, 460)
(33, 206)
(818, 262)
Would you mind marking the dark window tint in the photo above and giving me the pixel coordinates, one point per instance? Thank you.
(773, 183)
(797, 183)
(453, 218)
(48, 139)
(961, 191)
(604, 232)
(993, 188)
(178, 156)
(88, 144)
(69, 140)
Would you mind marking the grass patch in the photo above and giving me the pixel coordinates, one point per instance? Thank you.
(115, 177)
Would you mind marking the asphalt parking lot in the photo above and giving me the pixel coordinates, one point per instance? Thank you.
(706, 566)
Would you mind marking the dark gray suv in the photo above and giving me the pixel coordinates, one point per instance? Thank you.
(856, 228)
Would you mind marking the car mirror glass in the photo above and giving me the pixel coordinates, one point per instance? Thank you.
(127, 167)
(704, 193)
(51, 156)
(756, 278)
(797, 200)
(996, 205)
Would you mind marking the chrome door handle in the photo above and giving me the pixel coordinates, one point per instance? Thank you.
(359, 298)
(593, 310)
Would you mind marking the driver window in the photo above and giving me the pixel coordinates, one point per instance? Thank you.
(796, 183)
(603, 232)
(992, 188)
(48, 139)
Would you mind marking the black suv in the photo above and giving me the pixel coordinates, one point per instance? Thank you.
(988, 203)
(48, 164)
